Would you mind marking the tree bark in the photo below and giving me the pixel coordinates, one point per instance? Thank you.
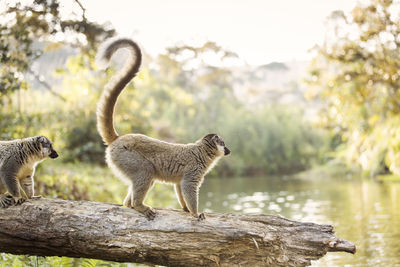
(53, 227)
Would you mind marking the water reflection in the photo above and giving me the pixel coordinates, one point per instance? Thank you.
(364, 212)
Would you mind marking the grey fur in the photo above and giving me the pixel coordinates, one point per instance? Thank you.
(18, 160)
(141, 160)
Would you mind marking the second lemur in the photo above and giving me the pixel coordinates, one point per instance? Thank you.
(18, 160)
(141, 160)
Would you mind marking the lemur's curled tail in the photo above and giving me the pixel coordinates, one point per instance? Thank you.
(106, 104)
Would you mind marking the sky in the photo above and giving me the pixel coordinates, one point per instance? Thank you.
(259, 31)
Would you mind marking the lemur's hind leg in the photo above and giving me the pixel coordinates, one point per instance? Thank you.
(141, 173)
(11, 183)
(142, 183)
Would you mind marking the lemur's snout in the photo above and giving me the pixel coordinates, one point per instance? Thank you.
(226, 151)
(53, 154)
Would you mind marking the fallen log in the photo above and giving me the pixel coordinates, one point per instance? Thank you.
(53, 227)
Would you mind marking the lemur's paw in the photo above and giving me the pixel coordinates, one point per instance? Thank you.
(127, 203)
(19, 200)
(150, 214)
(201, 217)
(6, 201)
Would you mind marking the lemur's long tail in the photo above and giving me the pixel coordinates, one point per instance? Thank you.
(106, 104)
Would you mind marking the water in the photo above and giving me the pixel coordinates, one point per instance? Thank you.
(364, 212)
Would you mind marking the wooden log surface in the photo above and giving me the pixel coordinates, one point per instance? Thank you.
(53, 227)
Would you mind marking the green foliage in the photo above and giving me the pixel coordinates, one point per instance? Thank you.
(83, 142)
(356, 74)
(275, 140)
(8, 260)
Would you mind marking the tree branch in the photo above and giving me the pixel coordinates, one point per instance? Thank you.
(83, 10)
(53, 227)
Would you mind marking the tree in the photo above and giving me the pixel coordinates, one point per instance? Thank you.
(356, 74)
(28, 28)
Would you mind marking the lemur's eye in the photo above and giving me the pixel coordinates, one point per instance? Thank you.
(46, 144)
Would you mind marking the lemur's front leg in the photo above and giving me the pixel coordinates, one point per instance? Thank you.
(190, 191)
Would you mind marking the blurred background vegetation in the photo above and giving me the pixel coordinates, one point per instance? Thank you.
(338, 113)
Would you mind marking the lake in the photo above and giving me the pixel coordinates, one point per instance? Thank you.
(364, 212)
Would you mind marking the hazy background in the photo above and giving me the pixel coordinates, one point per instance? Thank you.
(258, 31)
(304, 93)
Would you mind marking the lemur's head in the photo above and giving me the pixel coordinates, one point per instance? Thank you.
(46, 147)
(215, 142)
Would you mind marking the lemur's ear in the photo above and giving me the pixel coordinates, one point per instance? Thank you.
(42, 139)
(209, 136)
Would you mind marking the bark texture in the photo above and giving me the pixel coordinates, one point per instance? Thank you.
(53, 227)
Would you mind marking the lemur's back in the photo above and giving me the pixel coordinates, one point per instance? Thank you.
(168, 159)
